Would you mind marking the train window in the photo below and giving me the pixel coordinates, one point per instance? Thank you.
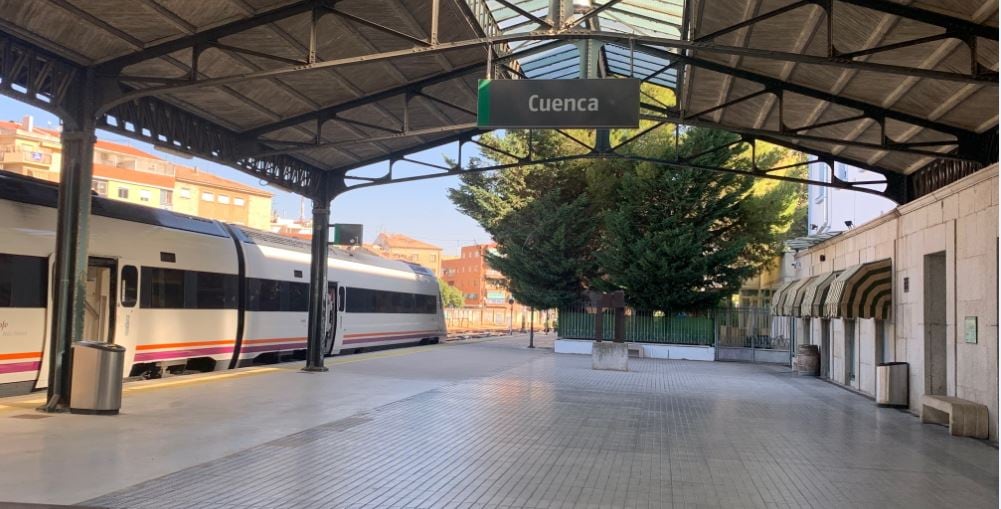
(23, 281)
(340, 299)
(363, 300)
(130, 286)
(212, 291)
(298, 297)
(162, 288)
(263, 295)
(271, 295)
(185, 289)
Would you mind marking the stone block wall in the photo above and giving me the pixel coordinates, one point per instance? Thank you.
(959, 221)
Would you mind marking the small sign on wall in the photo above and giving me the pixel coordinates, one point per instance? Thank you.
(970, 329)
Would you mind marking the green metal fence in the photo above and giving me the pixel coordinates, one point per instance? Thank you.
(578, 323)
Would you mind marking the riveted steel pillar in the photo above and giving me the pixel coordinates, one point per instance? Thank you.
(72, 227)
(318, 278)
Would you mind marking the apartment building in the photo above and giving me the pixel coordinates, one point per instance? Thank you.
(401, 247)
(123, 172)
(480, 284)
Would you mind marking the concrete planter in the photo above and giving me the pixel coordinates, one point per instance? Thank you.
(610, 356)
(648, 350)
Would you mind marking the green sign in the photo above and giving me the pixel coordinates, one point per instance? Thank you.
(347, 234)
(970, 329)
(585, 104)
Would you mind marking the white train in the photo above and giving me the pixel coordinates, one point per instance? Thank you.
(185, 293)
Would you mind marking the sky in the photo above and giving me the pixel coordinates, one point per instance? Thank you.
(418, 209)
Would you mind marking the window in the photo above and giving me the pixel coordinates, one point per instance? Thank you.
(23, 281)
(145, 195)
(239, 202)
(222, 198)
(298, 296)
(100, 187)
(185, 192)
(123, 193)
(166, 198)
(208, 197)
(340, 299)
(130, 286)
(271, 295)
(212, 290)
(163, 288)
(363, 300)
(187, 289)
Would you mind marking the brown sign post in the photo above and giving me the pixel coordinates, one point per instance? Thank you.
(602, 300)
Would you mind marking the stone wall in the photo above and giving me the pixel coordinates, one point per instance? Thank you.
(957, 224)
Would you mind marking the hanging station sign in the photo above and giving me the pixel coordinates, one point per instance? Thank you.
(585, 104)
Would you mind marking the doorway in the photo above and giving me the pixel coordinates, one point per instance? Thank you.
(851, 356)
(825, 347)
(99, 304)
(934, 324)
(331, 331)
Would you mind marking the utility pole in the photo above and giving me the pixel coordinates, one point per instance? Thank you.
(531, 329)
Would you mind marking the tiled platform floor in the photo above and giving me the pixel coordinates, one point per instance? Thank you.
(550, 432)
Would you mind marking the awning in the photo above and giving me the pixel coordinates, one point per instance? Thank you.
(778, 298)
(794, 297)
(815, 293)
(862, 291)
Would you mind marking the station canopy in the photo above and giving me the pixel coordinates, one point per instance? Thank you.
(304, 93)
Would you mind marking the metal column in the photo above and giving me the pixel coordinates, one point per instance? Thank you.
(72, 227)
(318, 279)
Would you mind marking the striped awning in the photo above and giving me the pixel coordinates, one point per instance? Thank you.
(778, 298)
(862, 291)
(815, 293)
(794, 299)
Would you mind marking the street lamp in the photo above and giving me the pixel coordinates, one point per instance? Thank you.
(510, 323)
(531, 329)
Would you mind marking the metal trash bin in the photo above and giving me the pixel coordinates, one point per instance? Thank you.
(96, 380)
(891, 384)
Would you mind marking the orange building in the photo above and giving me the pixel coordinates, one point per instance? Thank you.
(401, 247)
(481, 285)
(123, 172)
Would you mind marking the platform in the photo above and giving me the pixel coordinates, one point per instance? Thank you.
(492, 424)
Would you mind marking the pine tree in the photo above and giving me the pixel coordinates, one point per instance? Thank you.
(544, 250)
(684, 239)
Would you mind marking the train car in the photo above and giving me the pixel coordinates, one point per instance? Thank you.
(372, 301)
(182, 293)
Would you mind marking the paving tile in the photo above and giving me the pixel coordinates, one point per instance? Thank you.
(552, 433)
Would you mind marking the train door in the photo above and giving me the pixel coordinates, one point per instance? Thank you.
(42, 381)
(125, 317)
(330, 334)
(99, 308)
(99, 300)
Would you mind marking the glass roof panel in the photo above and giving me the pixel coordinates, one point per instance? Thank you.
(657, 18)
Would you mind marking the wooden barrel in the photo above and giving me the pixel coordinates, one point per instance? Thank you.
(808, 360)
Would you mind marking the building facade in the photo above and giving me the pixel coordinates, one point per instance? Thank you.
(123, 172)
(30, 151)
(401, 247)
(203, 194)
(480, 284)
(919, 285)
(830, 209)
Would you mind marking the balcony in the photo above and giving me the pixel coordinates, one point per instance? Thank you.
(493, 274)
(26, 157)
